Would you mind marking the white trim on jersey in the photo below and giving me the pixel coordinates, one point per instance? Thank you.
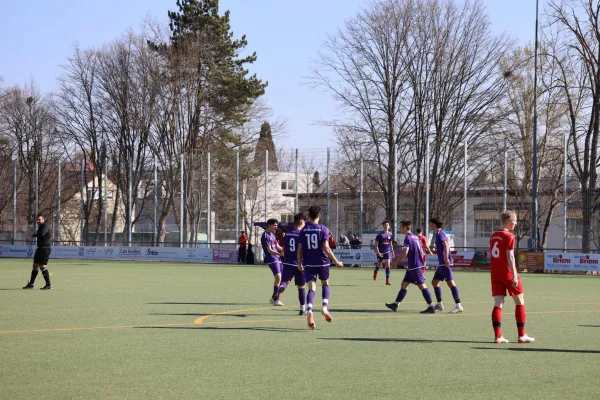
(318, 266)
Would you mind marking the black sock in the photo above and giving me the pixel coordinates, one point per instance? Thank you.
(34, 273)
(46, 275)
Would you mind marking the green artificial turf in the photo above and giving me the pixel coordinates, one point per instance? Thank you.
(125, 330)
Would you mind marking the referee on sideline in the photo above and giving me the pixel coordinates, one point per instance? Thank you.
(42, 254)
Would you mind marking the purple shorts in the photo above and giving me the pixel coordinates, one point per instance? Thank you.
(414, 276)
(275, 267)
(310, 273)
(290, 272)
(443, 273)
(384, 256)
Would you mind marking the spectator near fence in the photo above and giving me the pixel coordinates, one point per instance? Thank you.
(243, 242)
(331, 241)
(356, 243)
(343, 242)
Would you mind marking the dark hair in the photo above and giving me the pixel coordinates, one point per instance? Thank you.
(437, 221)
(299, 217)
(272, 221)
(385, 221)
(406, 223)
(314, 212)
(243, 232)
(40, 215)
(419, 231)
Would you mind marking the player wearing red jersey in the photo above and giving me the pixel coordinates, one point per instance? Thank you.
(426, 249)
(505, 278)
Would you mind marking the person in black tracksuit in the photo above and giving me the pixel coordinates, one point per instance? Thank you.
(42, 254)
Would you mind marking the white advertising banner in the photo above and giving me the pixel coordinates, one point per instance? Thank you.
(355, 256)
(169, 254)
(123, 253)
(67, 252)
(16, 251)
(571, 262)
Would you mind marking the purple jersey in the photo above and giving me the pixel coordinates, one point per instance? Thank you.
(384, 241)
(313, 238)
(415, 252)
(269, 241)
(290, 248)
(440, 238)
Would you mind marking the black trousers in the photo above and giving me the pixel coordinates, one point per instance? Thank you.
(242, 254)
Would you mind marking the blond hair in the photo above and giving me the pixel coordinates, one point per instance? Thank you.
(506, 215)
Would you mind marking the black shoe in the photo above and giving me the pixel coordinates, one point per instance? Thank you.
(392, 306)
(28, 286)
(47, 287)
(429, 310)
(303, 312)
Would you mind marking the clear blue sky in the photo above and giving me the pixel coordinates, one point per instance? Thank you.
(37, 37)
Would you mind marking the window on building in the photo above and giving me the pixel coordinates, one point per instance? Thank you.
(574, 227)
(288, 185)
(287, 218)
(485, 227)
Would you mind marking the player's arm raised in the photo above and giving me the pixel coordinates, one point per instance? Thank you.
(331, 256)
(510, 255)
(299, 255)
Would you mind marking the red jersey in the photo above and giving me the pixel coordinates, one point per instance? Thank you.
(423, 240)
(280, 241)
(331, 241)
(500, 242)
(243, 241)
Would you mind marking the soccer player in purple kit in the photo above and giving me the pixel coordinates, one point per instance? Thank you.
(314, 255)
(272, 254)
(385, 252)
(290, 262)
(414, 270)
(444, 269)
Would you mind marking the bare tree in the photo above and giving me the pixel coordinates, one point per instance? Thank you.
(408, 72)
(578, 55)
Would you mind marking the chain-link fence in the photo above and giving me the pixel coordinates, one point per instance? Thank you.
(201, 199)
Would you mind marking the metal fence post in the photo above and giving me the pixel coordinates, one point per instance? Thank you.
(361, 216)
(465, 200)
(395, 227)
(58, 203)
(106, 200)
(237, 193)
(427, 165)
(208, 201)
(565, 188)
(266, 182)
(15, 203)
(181, 201)
(155, 202)
(505, 192)
(328, 187)
(130, 197)
(296, 204)
(81, 202)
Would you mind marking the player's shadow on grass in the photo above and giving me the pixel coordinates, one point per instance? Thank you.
(203, 315)
(349, 310)
(403, 340)
(585, 326)
(538, 350)
(212, 304)
(214, 328)
(10, 289)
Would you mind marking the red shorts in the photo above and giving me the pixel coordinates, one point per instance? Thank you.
(500, 287)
